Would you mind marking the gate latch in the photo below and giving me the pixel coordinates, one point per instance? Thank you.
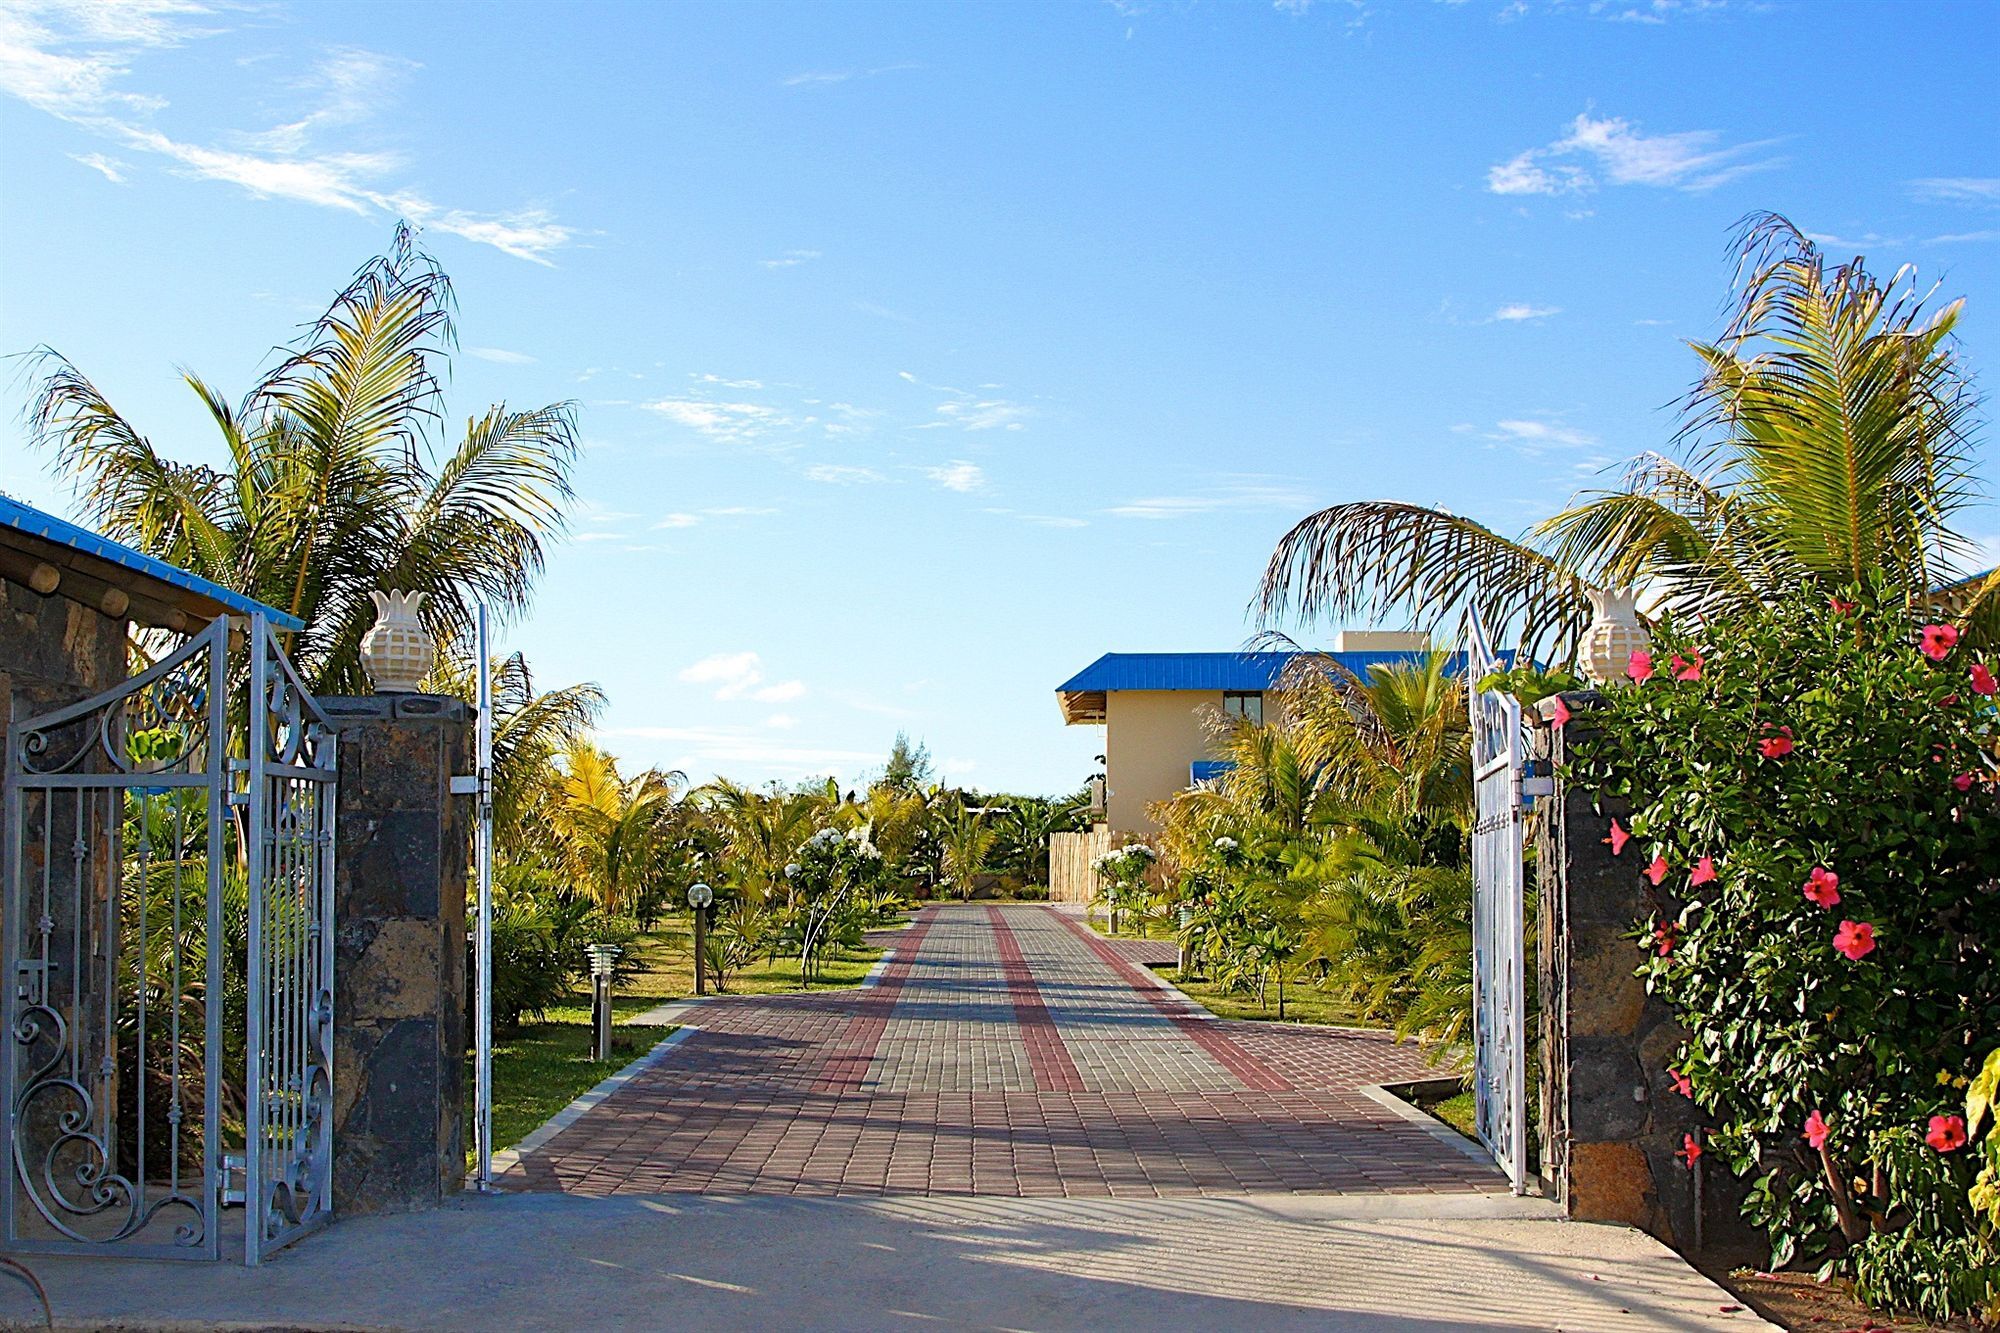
(1536, 779)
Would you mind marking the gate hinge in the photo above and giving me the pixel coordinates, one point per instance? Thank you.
(1536, 780)
(465, 784)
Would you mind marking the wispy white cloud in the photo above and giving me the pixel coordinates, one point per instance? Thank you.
(502, 356)
(109, 167)
(1249, 495)
(821, 78)
(720, 382)
(673, 521)
(1958, 189)
(843, 474)
(72, 58)
(734, 423)
(1617, 152)
(972, 413)
(958, 475)
(1521, 312)
(1963, 237)
(740, 676)
(791, 259)
(1537, 434)
(1857, 244)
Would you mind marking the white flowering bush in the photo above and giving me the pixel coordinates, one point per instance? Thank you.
(828, 883)
(1121, 879)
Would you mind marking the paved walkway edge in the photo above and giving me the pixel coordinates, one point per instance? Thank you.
(509, 1158)
(1427, 1122)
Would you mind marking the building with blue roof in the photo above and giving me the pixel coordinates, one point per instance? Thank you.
(1156, 711)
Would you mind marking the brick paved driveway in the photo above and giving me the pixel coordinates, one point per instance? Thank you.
(1003, 1051)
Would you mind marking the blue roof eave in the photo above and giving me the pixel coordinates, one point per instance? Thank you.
(38, 523)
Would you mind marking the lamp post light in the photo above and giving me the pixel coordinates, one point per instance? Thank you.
(700, 896)
(603, 958)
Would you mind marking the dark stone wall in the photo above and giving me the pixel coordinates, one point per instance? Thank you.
(399, 952)
(54, 651)
(1611, 1120)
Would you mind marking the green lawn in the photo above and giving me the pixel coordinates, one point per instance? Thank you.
(1303, 1003)
(542, 1067)
(1457, 1112)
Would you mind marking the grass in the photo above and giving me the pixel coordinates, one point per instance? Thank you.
(542, 1067)
(1457, 1112)
(1303, 1003)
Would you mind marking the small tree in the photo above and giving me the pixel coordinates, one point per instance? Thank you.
(826, 879)
(1121, 878)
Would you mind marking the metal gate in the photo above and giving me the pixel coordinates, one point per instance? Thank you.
(167, 995)
(1499, 934)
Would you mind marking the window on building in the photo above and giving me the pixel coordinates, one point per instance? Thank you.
(1246, 704)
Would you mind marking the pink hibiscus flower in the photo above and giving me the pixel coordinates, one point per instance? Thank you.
(1855, 940)
(1666, 936)
(1946, 1133)
(1704, 872)
(1681, 1083)
(1816, 1130)
(1685, 668)
(1777, 742)
(1639, 666)
(1938, 640)
(1823, 887)
(1619, 837)
(1963, 782)
(1841, 608)
(1982, 680)
(1690, 1151)
(1559, 715)
(1658, 870)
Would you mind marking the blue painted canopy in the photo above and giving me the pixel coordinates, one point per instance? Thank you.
(185, 591)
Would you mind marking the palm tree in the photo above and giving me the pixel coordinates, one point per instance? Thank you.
(761, 830)
(1021, 842)
(966, 840)
(334, 487)
(614, 830)
(1831, 435)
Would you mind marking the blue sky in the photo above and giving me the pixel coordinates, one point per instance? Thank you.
(926, 352)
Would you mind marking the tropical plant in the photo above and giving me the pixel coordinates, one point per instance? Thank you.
(1021, 835)
(334, 486)
(615, 831)
(531, 729)
(1831, 435)
(965, 841)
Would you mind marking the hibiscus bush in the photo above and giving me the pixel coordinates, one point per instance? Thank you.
(1811, 802)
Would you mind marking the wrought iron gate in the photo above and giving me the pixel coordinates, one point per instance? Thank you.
(166, 978)
(1499, 934)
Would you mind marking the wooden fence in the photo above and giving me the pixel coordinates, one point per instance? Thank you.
(1071, 880)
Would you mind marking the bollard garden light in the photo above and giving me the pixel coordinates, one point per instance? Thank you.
(699, 898)
(603, 959)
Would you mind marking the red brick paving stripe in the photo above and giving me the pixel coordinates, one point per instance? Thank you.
(846, 1070)
(1048, 1058)
(1253, 1072)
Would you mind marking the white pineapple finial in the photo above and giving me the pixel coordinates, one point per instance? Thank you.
(398, 651)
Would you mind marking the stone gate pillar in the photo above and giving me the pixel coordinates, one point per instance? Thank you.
(1611, 1122)
(399, 951)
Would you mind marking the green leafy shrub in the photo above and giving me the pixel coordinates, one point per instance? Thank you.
(1811, 799)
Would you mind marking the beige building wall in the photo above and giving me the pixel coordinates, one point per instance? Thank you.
(1151, 736)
